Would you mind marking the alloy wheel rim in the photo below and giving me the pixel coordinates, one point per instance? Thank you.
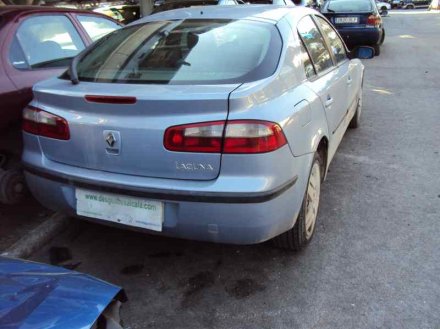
(312, 199)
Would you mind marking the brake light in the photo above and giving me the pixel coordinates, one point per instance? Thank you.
(110, 99)
(240, 136)
(42, 123)
(373, 21)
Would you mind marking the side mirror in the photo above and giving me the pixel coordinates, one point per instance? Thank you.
(362, 52)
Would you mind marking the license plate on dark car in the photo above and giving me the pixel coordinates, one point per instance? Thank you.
(346, 20)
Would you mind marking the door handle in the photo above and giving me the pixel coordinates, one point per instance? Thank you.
(349, 80)
(329, 101)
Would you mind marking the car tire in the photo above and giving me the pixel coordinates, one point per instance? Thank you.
(376, 50)
(383, 37)
(13, 187)
(302, 232)
(356, 120)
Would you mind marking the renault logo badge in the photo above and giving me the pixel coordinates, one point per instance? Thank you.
(111, 139)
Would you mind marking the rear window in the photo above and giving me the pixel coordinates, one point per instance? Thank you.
(348, 6)
(185, 52)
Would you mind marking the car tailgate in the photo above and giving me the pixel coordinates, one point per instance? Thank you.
(137, 128)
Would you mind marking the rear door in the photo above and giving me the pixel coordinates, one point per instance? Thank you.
(346, 73)
(328, 82)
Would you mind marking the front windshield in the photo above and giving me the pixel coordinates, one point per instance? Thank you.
(185, 52)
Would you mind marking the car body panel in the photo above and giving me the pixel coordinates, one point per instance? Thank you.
(253, 197)
(140, 150)
(34, 295)
(171, 5)
(23, 79)
(253, 12)
(357, 36)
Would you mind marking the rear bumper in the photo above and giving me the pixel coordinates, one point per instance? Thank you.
(360, 37)
(231, 209)
(235, 222)
(164, 194)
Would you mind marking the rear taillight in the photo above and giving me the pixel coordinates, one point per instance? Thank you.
(373, 21)
(240, 136)
(42, 123)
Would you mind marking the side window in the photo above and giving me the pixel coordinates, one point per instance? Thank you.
(97, 27)
(315, 44)
(308, 65)
(45, 41)
(336, 44)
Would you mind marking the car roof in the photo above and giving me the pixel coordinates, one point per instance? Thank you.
(269, 13)
(19, 10)
(10, 13)
(169, 5)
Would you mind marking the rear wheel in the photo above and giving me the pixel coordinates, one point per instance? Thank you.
(376, 50)
(302, 232)
(410, 7)
(12, 186)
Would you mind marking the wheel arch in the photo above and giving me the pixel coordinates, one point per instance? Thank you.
(322, 150)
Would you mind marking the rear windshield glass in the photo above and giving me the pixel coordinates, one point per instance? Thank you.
(185, 52)
(348, 6)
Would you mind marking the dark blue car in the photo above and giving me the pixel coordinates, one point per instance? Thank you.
(358, 22)
(38, 296)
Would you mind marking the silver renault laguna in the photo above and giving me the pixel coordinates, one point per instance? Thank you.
(207, 123)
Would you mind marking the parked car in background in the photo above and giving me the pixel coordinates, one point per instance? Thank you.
(435, 5)
(383, 6)
(175, 4)
(122, 13)
(169, 125)
(413, 4)
(36, 295)
(358, 22)
(396, 3)
(36, 43)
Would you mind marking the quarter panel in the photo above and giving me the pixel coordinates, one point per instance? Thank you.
(284, 99)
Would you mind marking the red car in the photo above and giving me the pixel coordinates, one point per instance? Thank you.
(36, 43)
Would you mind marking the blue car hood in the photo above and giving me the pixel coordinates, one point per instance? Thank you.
(34, 295)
